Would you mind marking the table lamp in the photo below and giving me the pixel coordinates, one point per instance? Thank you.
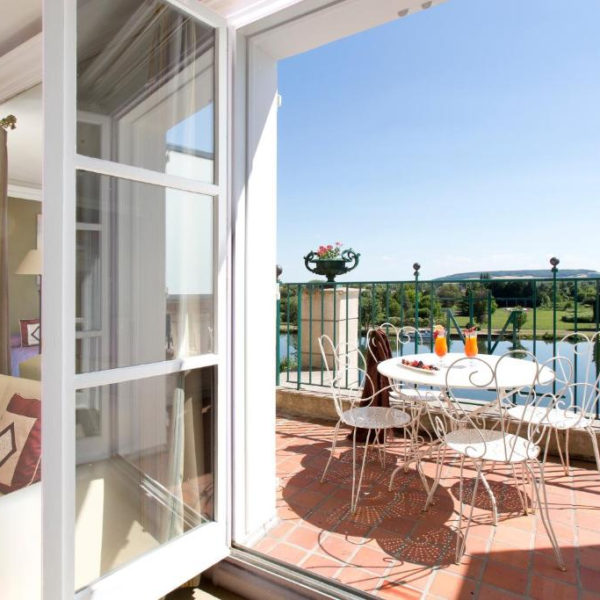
(32, 265)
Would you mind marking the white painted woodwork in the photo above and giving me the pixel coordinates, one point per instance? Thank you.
(21, 68)
(260, 258)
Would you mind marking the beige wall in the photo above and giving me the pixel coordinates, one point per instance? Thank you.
(22, 236)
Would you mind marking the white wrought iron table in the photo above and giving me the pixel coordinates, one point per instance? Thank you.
(512, 373)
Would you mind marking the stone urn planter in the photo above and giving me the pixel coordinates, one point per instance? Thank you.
(332, 267)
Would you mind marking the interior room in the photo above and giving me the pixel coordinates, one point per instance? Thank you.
(144, 448)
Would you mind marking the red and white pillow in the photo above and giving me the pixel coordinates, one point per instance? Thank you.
(30, 332)
(20, 443)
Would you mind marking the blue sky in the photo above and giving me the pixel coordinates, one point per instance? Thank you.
(465, 137)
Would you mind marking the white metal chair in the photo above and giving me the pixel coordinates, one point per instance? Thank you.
(467, 434)
(347, 381)
(412, 399)
(576, 402)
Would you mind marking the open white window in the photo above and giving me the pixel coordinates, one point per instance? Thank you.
(135, 479)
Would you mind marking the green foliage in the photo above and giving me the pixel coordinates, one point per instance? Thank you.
(585, 318)
(449, 294)
(478, 298)
(288, 363)
(288, 307)
(521, 317)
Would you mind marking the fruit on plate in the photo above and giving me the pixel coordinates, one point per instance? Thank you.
(419, 364)
(438, 330)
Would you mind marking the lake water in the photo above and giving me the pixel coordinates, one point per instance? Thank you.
(586, 368)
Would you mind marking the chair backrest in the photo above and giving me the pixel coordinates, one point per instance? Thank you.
(401, 336)
(346, 378)
(578, 401)
(582, 353)
(489, 423)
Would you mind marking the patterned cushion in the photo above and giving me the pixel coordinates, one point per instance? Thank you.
(30, 332)
(20, 443)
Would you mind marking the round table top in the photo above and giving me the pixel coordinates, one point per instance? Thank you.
(512, 372)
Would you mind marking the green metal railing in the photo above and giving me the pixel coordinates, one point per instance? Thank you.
(511, 313)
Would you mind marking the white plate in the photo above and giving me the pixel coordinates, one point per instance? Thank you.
(419, 369)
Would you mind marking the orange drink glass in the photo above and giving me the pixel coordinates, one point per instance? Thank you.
(471, 344)
(441, 345)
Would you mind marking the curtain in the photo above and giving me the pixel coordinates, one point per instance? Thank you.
(4, 324)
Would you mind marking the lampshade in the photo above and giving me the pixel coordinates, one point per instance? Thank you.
(31, 264)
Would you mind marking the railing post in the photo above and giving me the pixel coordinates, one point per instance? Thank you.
(515, 315)
(471, 307)
(299, 339)
(554, 262)
(310, 332)
(416, 267)
(278, 271)
(575, 307)
(597, 306)
(489, 319)
(431, 315)
(534, 308)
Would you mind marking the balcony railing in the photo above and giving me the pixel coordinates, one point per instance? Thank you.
(512, 313)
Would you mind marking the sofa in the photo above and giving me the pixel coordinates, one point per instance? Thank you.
(20, 518)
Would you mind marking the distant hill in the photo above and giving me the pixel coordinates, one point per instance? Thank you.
(525, 274)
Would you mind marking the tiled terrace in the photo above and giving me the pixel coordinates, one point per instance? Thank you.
(391, 549)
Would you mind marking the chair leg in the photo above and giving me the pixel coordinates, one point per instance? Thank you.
(520, 489)
(560, 453)
(567, 452)
(548, 436)
(590, 430)
(362, 470)
(333, 444)
(385, 439)
(542, 501)
(438, 471)
(488, 489)
(461, 544)
(353, 469)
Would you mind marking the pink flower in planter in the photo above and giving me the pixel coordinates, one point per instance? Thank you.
(329, 251)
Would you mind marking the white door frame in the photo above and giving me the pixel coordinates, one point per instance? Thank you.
(258, 48)
(153, 574)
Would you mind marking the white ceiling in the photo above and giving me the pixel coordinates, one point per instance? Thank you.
(19, 23)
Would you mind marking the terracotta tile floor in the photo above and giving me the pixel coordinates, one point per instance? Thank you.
(391, 549)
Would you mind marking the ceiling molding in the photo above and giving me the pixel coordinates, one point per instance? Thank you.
(24, 191)
(21, 68)
(285, 35)
(258, 10)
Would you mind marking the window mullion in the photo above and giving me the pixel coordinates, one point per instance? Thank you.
(141, 175)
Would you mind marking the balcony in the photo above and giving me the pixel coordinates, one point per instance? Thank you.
(389, 547)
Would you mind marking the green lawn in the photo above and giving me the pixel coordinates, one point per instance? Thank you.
(543, 321)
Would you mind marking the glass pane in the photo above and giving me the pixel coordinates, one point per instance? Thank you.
(144, 275)
(153, 480)
(146, 74)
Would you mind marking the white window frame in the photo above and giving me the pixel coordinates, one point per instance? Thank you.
(157, 572)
